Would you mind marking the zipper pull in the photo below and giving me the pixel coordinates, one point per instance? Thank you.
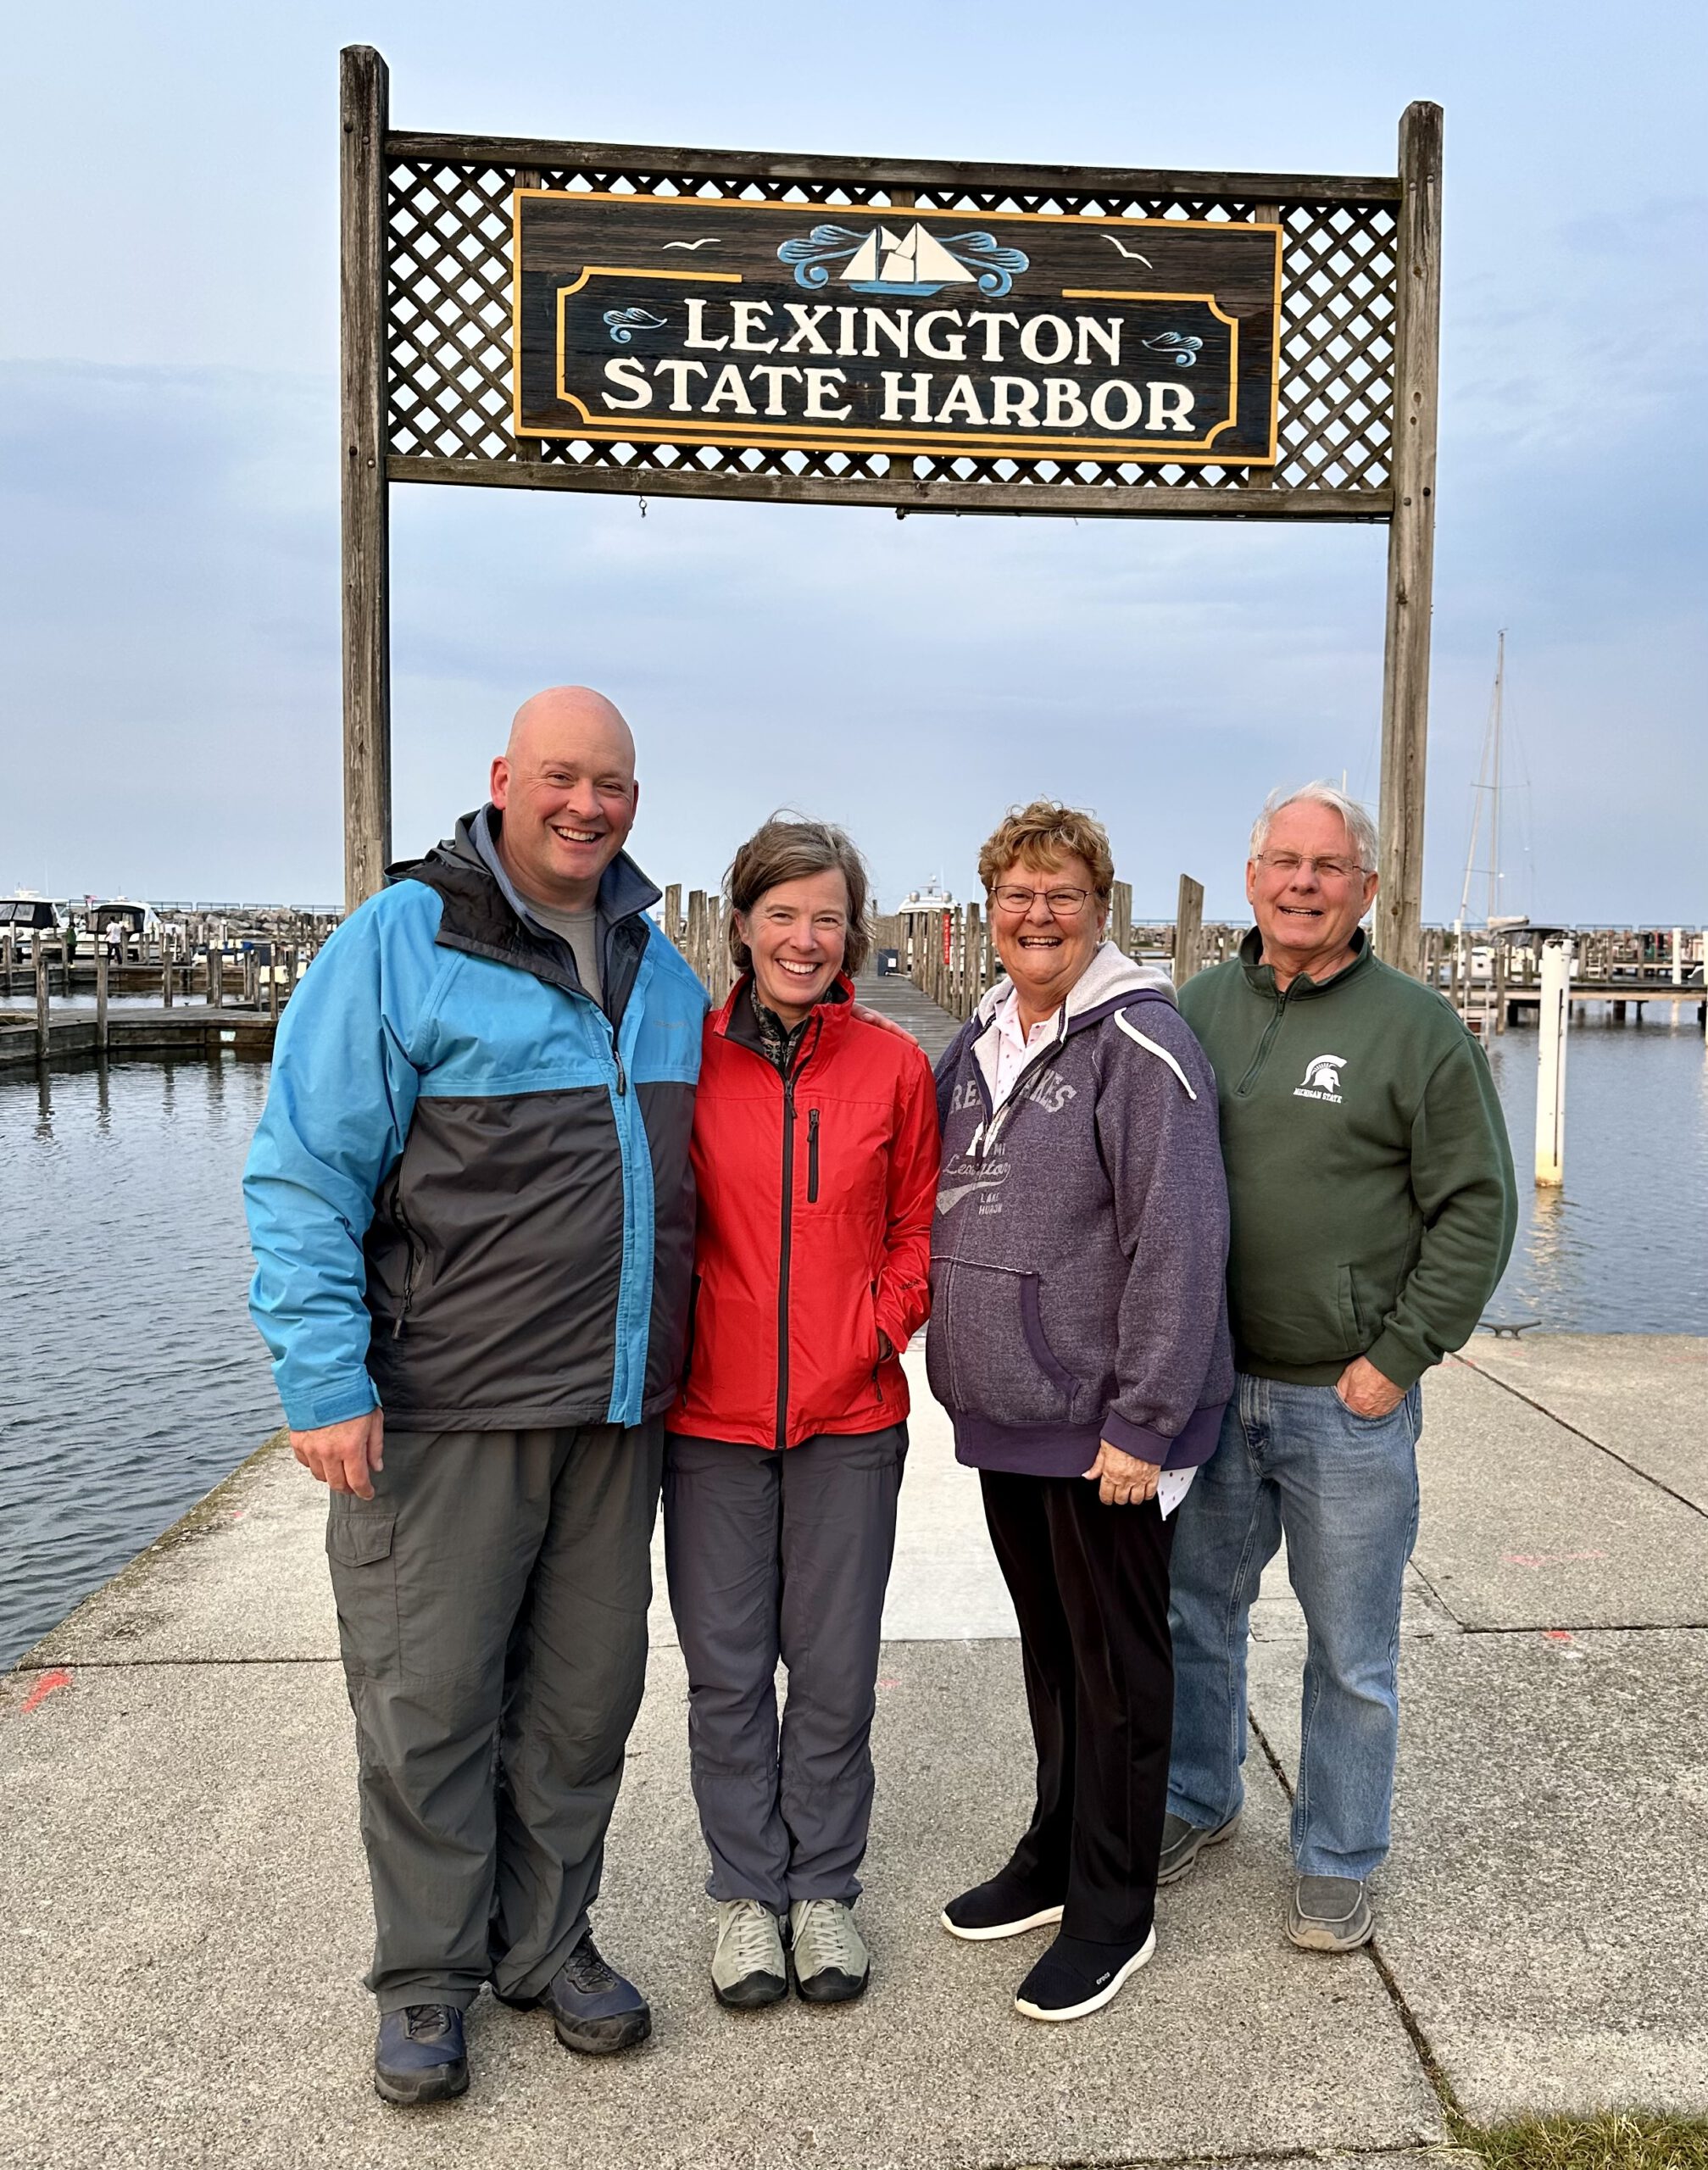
(622, 1076)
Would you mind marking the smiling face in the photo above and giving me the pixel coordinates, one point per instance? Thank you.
(1044, 952)
(1307, 916)
(565, 785)
(797, 933)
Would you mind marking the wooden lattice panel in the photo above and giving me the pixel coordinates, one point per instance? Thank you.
(449, 321)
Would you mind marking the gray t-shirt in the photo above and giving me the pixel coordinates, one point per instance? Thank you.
(580, 930)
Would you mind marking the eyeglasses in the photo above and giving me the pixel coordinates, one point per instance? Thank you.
(1061, 904)
(1288, 863)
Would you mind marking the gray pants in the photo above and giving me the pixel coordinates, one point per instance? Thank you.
(492, 1616)
(781, 1555)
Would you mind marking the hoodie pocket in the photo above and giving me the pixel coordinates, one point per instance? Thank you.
(987, 1352)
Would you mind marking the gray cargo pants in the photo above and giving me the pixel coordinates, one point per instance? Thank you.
(492, 1617)
(782, 1555)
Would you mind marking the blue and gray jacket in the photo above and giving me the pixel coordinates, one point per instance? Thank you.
(469, 1196)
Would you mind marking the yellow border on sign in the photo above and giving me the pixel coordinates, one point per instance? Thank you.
(626, 271)
(987, 443)
(599, 429)
(607, 271)
(1141, 294)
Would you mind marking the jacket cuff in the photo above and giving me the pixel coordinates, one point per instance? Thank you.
(890, 1317)
(1193, 1444)
(1397, 1363)
(1137, 1439)
(334, 1405)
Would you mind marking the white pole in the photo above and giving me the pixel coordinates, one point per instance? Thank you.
(1677, 956)
(1550, 1074)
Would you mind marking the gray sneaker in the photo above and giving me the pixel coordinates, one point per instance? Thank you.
(832, 1962)
(1183, 1842)
(749, 1968)
(1329, 1913)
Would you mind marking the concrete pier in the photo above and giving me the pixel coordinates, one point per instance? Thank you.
(184, 1914)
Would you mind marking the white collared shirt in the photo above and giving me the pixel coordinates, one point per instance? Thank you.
(1016, 1046)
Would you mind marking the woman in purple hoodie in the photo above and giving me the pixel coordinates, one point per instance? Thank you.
(1079, 1341)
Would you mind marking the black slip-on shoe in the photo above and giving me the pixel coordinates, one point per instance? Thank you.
(1075, 1976)
(420, 2056)
(594, 2009)
(1183, 1842)
(1000, 1907)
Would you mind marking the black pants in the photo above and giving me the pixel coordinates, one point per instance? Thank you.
(1090, 1587)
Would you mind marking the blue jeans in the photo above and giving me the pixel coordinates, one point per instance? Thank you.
(1343, 1489)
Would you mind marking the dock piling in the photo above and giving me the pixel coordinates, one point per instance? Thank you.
(102, 975)
(1550, 1071)
(1188, 929)
(39, 952)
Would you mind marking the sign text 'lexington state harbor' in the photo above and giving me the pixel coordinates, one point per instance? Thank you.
(645, 320)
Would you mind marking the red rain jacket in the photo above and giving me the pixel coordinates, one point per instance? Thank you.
(816, 1204)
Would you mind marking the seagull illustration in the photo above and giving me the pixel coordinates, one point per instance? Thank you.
(709, 241)
(1133, 252)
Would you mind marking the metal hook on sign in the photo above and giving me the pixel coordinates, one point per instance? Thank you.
(643, 508)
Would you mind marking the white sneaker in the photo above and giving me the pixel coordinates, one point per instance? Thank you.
(749, 1968)
(832, 1962)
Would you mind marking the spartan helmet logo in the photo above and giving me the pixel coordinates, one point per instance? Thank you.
(1323, 1076)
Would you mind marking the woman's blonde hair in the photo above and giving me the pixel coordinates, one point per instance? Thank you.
(1043, 834)
(787, 848)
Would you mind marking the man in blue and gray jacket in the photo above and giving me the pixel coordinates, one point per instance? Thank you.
(472, 1213)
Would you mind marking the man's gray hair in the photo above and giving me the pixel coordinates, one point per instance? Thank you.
(1359, 827)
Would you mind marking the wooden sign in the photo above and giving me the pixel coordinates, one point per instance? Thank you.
(643, 319)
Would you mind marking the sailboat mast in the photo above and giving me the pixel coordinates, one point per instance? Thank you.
(1496, 729)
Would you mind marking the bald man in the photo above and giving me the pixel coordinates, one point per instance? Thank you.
(472, 1213)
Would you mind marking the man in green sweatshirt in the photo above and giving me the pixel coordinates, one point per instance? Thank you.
(1370, 1184)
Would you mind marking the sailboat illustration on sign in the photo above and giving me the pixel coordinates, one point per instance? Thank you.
(913, 262)
(882, 261)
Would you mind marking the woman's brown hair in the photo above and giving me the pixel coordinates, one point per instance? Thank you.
(788, 848)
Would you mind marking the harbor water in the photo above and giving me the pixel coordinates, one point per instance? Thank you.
(131, 1381)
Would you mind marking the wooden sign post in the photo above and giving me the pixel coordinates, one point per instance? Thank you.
(929, 336)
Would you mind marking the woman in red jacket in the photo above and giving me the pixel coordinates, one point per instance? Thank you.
(816, 1155)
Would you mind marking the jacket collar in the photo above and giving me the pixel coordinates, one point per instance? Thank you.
(736, 1021)
(624, 890)
(1261, 977)
(484, 916)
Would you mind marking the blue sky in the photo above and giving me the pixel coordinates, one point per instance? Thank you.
(168, 406)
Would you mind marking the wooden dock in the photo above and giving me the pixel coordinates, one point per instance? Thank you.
(187, 1029)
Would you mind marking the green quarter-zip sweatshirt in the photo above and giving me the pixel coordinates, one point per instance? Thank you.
(1370, 1180)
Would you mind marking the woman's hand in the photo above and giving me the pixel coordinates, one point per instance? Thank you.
(1123, 1480)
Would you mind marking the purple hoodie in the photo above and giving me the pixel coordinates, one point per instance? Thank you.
(1081, 1237)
